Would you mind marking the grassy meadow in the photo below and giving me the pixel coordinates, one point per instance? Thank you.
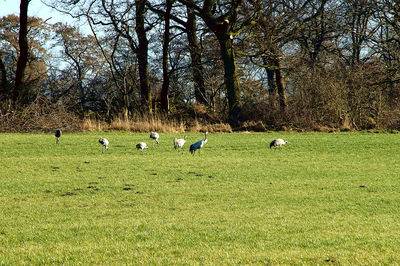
(325, 198)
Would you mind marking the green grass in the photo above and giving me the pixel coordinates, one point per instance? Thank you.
(324, 198)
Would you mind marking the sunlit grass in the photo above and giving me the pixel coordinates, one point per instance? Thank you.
(323, 198)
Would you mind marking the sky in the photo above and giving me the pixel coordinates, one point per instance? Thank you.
(35, 9)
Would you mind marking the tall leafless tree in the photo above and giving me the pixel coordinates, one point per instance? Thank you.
(221, 19)
(4, 82)
(189, 26)
(19, 90)
(165, 85)
(142, 56)
(195, 54)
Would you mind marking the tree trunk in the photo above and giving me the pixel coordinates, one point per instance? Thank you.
(165, 85)
(3, 83)
(142, 56)
(126, 102)
(194, 47)
(125, 112)
(231, 80)
(280, 84)
(271, 83)
(195, 54)
(79, 84)
(19, 91)
(222, 29)
(271, 88)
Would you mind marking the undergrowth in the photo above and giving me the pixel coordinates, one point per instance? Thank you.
(43, 116)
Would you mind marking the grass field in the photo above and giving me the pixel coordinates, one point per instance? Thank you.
(325, 198)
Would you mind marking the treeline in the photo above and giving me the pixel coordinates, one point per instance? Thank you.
(255, 64)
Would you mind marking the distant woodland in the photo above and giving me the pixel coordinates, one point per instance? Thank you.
(251, 64)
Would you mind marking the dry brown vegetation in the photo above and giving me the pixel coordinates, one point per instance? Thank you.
(42, 116)
(39, 116)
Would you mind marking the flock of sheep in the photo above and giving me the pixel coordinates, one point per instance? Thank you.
(178, 143)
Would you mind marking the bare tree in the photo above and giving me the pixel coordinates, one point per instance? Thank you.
(195, 54)
(189, 26)
(118, 18)
(19, 90)
(166, 39)
(221, 19)
(360, 13)
(142, 56)
(4, 82)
